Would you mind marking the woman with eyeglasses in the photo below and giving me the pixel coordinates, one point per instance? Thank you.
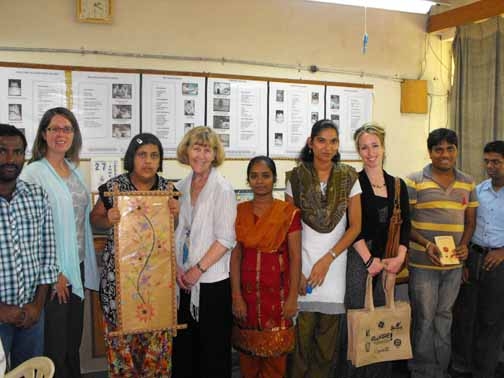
(141, 354)
(367, 256)
(55, 157)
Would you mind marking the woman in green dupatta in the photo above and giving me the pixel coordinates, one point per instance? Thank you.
(328, 194)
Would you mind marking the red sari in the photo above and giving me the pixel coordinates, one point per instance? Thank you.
(265, 279)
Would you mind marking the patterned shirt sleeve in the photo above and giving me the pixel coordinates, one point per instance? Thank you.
(412, 192)
(48, 264)
(107, 201)
(473, 197)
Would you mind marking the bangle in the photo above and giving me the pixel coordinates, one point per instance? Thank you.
(368, 263)
(198, 265)
(333, 254)
(427, 245)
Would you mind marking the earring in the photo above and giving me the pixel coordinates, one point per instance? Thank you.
(310, 151)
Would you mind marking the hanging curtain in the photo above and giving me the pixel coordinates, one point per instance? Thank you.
(477, 112)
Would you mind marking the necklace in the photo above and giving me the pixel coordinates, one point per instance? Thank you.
(376, 186)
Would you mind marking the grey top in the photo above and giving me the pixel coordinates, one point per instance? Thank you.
(80, 200)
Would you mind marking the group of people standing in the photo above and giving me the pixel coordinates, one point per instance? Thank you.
(270, 278)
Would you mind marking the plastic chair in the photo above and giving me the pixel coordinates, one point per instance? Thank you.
(36, 367)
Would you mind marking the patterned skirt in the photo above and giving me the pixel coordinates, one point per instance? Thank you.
(139, 355)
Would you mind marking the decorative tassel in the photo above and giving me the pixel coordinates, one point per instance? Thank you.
(365, 38)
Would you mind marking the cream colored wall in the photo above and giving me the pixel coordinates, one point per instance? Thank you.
(291, 32)
(276, 31)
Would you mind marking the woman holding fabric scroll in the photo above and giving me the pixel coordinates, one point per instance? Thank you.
(204, 238)
(368, 255)
(142, 354)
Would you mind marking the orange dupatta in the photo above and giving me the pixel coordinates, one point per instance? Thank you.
(268, 233)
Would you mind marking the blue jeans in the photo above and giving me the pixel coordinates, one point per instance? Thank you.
(432, 295)
(23, 344)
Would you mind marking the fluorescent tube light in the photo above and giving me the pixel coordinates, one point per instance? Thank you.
(410, 6)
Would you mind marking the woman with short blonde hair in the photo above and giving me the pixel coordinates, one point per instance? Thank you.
(204, 237)
(204, 136)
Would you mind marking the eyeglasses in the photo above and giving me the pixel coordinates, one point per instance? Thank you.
(64, 129)
(494, 162)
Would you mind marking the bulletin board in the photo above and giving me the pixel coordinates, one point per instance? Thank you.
(252, 115)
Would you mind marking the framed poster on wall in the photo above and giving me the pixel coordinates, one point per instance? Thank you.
(171, 106)
(237, 112)
(293, 109)
(107, 107)
(349, 108)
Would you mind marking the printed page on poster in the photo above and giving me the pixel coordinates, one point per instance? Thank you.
(293, 109)
(237, 112)
(171, 106)
(26, 94)
(107, 107)
(349, 108)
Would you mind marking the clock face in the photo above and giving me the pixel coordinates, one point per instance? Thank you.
(94, 10)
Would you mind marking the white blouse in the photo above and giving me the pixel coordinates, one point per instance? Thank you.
(211, 219)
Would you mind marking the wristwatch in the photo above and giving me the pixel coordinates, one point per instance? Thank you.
(198, 265)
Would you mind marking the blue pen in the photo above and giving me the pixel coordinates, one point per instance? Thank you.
(309, 289)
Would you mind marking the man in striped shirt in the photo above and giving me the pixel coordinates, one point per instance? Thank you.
(443, 203)
(27, 253)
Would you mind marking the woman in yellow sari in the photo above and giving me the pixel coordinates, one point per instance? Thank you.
(265, 273)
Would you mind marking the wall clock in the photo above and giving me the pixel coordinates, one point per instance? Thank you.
(95, 11)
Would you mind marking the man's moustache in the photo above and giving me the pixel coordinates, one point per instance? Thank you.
(7, 166)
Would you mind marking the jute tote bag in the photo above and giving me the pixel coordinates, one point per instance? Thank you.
(382, 333)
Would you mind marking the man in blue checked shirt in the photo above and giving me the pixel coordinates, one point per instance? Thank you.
(27, 253)
(478, 319)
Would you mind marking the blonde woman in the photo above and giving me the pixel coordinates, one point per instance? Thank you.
(368, 253)
(204, 238)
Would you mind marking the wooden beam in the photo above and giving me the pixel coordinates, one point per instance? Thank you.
(466, 14)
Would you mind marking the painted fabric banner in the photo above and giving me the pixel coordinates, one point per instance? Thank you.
(145, 262)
